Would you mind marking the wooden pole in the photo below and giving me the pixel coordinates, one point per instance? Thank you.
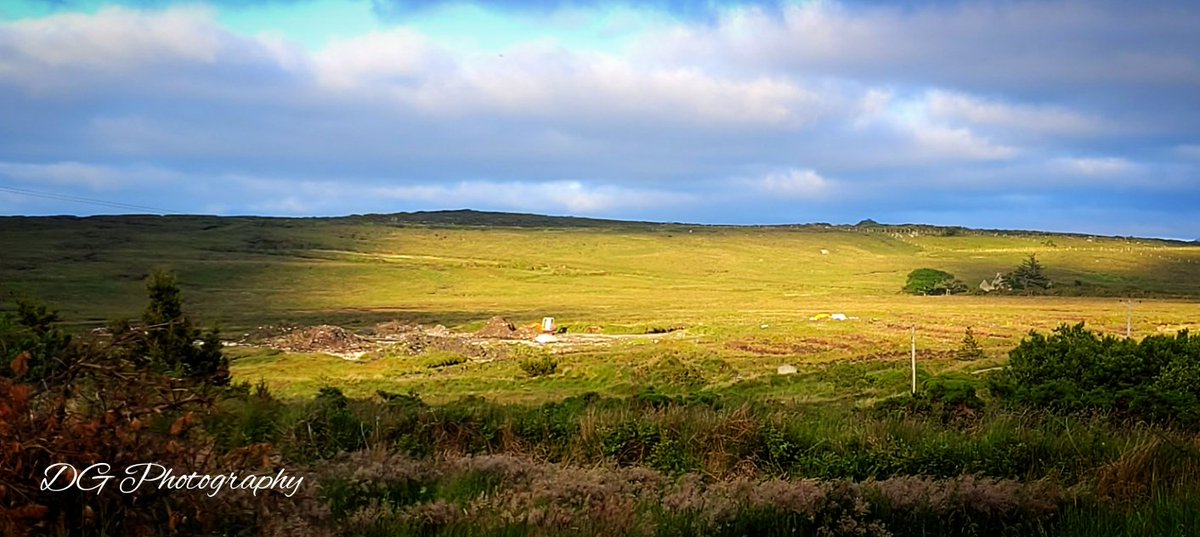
(914, 359)
(1128, 319)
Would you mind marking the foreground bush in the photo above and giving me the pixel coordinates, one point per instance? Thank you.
(1075, 369)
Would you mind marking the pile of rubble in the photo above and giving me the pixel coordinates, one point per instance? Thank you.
(414, 339)
(499, 328)
(323, 338)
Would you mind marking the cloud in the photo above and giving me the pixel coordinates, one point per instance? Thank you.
(573, 197)
(959, 143)
(393, 57)
(959, 108)
(795, 183)
(689, 10)
(91, 176)
(115, 39)
(279, 196)
(1189, 150)
(1096, 167)
(995, 45)
(789, 112)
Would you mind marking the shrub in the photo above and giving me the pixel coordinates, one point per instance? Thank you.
(945, 397)
(103, 408)
(539, 366)
(1029, 276)
(630, 442)
(969, 349)
(1076, 369)
(445, 360)
(31, 339)
(328, 427)
(927, 281)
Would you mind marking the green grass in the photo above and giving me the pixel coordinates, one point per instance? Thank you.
(720, 285)
(702, 399)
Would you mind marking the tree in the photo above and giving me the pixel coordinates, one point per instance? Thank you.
(969, 349)
(32, 340)
(927, 281)
(1029, 276)
(171, 342)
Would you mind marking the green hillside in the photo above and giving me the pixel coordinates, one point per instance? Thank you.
(461, 266)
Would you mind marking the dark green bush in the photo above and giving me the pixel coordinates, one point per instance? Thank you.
(630, 442)
(927, 281)
(328, 427)
(945, 397)
(32, 336)
(1076, 369)
(539, 366)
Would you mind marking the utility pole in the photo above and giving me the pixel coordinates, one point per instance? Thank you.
(1128, 318)
(914, 360)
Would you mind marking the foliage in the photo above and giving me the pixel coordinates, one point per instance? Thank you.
(441, 360)
(1075, 369)
(1029, 276)
(927, 281)
(327, 427)
(948, 398)
(539, 365)
(969, 349)
(171, 343)
(32, 340)
(100, 407)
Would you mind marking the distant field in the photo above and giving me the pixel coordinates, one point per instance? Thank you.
(720, 284)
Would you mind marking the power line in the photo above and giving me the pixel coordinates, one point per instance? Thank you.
(80, 199)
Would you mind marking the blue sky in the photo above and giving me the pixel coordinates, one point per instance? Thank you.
(1059, 115)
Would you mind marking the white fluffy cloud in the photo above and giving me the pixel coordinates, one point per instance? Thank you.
(795, 183)
(1096, 167)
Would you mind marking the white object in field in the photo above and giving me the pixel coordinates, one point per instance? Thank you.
(548, 325)
(838, 316)
(765, 326)
(786, 369)
(824, 251)
(545, 338)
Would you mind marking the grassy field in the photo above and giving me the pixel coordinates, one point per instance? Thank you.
(674, 419)
(742, 296)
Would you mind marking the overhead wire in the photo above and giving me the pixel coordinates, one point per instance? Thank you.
(81, 199)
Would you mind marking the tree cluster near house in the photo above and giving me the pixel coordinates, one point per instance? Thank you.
(1029, 278)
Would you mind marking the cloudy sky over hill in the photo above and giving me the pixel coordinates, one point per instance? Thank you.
(1060, 115)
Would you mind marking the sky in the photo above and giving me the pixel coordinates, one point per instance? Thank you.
(1079, 116)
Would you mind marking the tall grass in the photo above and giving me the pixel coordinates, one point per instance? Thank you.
(719, 438)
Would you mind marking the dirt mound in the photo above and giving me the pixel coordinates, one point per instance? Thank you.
(498, 328)
(323, 338)
(418, 343)
(394, 328)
